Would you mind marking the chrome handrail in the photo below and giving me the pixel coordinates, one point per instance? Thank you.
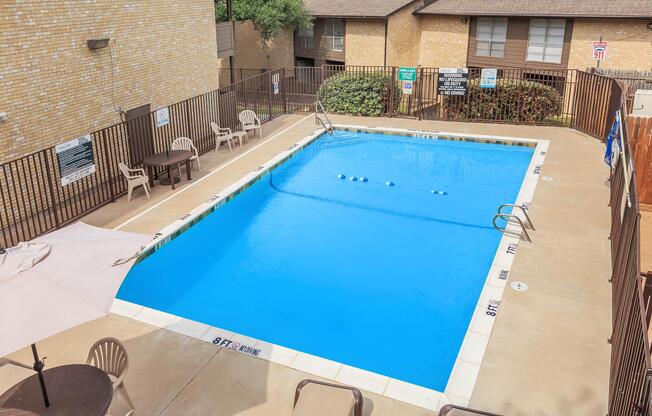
(319, 109)
(528, 221)
(514, 219)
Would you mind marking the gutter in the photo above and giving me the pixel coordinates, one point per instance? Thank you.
(385, 49)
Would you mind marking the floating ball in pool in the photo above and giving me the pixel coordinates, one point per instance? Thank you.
(353, 179)
(341, 176)
(389, 183)
(363, 179)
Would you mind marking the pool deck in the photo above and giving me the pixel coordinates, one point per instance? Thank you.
(548, 352)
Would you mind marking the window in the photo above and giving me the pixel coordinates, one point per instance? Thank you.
(490, 35)
(305, 37)
(546, 40)
(334, 34)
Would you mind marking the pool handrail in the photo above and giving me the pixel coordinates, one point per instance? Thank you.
(446, 409)
(319, 110)
(514, 219)
(528, 222)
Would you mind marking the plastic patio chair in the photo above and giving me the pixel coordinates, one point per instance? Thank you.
(250, 121)
(223, 135)
(110, 356)
(135, 178)
(184, 143)
(318, 398)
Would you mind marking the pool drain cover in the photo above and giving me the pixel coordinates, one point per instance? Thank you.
(548, 178)
(519, 286)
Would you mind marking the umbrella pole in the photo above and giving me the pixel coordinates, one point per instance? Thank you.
(38, 367)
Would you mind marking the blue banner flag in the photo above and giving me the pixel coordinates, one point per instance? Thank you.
(613, 146)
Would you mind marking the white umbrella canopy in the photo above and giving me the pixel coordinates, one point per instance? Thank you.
(61, 280)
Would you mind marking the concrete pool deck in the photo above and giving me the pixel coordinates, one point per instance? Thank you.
(547, 354)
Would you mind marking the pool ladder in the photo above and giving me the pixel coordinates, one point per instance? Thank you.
(519, 226)
(322, 118)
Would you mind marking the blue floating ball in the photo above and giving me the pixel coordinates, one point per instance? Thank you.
(443, 193)
(341, 176)
(433, 192)
(389, 183)
(353, 178)
(364, 178)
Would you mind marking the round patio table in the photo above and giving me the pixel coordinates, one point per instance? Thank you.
(73, 390)
(167, 160)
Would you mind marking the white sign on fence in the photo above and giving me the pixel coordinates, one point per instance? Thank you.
(75, 159)
(488, 78)
(162, 117)
(408, 87)
(276, 82)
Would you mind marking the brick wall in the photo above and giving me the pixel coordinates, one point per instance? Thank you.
(630, 43)
(54, 88)
(365, 42)
(252, 52)
(403, 37)
(444, 41)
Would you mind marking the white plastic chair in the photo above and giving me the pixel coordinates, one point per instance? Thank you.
(135, 178)
(184, 143)
(250, 121)
(110, 356)
(222, 135)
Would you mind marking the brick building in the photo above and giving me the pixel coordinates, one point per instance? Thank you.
(55, 88)
(555, 34)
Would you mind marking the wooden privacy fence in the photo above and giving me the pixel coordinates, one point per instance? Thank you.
(640, 139)
(32, 200)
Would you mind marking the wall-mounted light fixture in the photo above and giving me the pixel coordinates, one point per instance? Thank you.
(464, 19)
(649, 25)
(94, 44)
(3, 116)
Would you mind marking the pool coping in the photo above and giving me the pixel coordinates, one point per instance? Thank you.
(467, 365)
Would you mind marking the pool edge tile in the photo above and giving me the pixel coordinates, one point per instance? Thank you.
(318, 366)
(413, 394)
(124, 308)
(363, 379)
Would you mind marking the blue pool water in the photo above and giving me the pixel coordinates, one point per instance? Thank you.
(383, 278)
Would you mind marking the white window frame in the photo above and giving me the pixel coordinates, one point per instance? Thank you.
(306, 37)
(550, 44)
(333, 41)
(495, 41)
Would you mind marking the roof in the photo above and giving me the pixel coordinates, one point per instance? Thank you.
(558, 8)
(354, 8)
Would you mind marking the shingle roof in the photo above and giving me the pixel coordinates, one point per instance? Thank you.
(560, 8)
(354, 8)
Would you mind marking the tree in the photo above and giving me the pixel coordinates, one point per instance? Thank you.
(269, 17)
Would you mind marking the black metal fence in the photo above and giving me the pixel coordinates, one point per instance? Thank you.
(629, 382)
(33, 202)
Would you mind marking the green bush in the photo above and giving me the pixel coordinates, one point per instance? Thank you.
(511, 100)
(358, 94)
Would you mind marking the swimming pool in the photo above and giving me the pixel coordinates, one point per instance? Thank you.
(370, 250)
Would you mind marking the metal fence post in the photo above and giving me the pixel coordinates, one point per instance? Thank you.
(284, 96)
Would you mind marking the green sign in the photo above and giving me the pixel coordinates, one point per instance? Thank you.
(407, 74)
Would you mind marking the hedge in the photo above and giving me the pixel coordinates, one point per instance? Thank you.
(511, 100)
(358, 94)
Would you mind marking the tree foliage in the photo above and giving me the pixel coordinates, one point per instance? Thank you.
(269, 17)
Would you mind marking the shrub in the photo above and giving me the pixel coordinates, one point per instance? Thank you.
(358, 94)
(511, 100)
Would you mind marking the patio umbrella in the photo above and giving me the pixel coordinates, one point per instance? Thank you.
(61, 280)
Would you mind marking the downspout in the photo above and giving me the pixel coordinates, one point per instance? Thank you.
(229, 14)
(386, 26)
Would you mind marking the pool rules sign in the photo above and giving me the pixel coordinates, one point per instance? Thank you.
(76, 159)
(453, 81)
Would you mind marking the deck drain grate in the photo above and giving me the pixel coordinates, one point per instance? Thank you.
(519, 286)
